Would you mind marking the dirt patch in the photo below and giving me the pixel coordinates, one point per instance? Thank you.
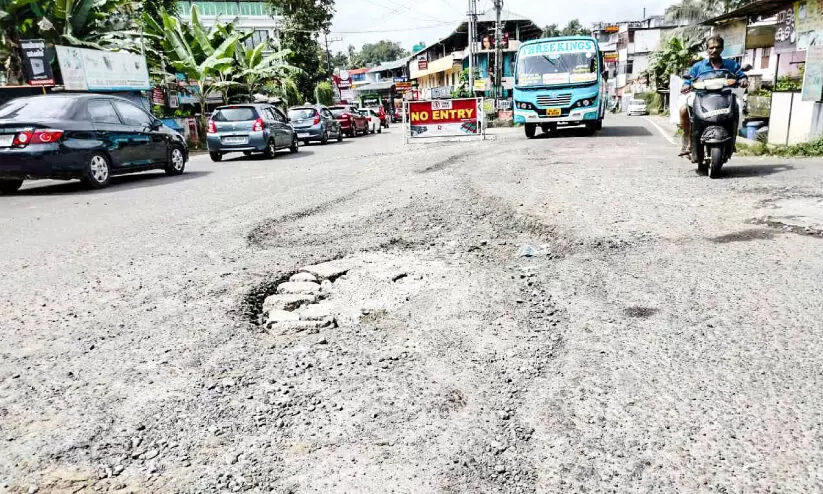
(443, 164)
(639, 312)
(743, 236)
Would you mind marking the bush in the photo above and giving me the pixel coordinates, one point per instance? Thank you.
(807, 149)
(324, 94)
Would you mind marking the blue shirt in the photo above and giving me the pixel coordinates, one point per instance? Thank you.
(705, 66)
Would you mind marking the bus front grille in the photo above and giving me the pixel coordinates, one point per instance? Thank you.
(559, 100)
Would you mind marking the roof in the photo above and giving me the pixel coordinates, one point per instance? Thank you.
(376, 86)
(357, 71)
(490, 16)
(395, 64)
(758, 7)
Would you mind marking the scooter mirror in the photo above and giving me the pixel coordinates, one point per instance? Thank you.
(747, 67)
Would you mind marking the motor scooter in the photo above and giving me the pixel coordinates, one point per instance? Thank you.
(715, 118)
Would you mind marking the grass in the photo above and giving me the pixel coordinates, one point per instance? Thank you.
(804, 150)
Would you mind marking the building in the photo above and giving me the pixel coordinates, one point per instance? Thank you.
(437, 68)
(256, 17)
(627, 48)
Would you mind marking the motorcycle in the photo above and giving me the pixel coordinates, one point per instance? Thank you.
(715, 118)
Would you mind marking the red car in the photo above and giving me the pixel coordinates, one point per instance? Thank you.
(352, 123)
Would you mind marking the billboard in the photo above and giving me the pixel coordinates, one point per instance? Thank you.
(444, 118)
(36, 63)
(96, 70)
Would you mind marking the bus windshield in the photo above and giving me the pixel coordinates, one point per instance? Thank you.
(548, 65)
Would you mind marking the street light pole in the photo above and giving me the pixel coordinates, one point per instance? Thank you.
(498, 54)
(472, 44)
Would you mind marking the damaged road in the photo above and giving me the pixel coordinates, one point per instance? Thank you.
(362, 321)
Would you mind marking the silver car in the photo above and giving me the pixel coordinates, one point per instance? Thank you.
(252, 128)
(315, 123)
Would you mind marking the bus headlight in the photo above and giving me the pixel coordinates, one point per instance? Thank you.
(522, 105)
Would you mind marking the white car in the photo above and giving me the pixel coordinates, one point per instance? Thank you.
(374, 119)
(637, 107)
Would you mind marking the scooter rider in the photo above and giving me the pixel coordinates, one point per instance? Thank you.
(714, 47)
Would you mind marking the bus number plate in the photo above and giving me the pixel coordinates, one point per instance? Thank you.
(553, 112)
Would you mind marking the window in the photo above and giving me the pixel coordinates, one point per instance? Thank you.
(131, 115)
(102, 112)
(49, 107)
(765, 58)
(301, 113)
(238, 114)
(278, 115)
(184, 8)
(257, 38)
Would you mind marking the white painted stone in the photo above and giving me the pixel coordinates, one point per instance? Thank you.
(303, 276)
(328, 270)
(287, 301)
(298, 287)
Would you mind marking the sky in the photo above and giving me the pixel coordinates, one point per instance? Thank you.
(411, 21)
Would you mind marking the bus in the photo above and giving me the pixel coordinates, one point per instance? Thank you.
(559, 81)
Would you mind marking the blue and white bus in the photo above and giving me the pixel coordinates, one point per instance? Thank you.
(559, 80)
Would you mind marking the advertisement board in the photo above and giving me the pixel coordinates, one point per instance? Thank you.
(444, 118)
(734, 33)
(813, 77)
(96, 70)
(35, 62)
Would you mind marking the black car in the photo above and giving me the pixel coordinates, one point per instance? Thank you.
(90, 137)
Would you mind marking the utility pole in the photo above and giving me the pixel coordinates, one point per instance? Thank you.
(498, 54)
(472, 41)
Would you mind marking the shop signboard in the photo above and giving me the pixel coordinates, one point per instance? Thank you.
(785, 36)
(96, 70)
(173, 100)
(813, 77)
(35, 62)
(444, 118)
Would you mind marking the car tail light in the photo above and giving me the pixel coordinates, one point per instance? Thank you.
(258, 125)
(345, 116)
(317, 119)
(46, 136)
(39, 136)
(212, 127)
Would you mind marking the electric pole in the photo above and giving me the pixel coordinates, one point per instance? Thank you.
(498, 55)
(472, 41)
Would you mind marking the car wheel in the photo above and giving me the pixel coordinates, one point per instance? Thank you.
(271, 150)
(325, 139)
(215, 156)
(339, 135)
(176, 162)
(98, 171)
(246, 153)
(373, 129)
(10, 186)
(294, 147)
(380, 130)
(531, 129)
(306, 143)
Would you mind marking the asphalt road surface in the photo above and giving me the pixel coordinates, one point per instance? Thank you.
(564, 314)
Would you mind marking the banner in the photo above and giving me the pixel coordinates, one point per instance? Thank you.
(808, 23)
(813, 77)
(96, 70)
(444, 118)
(785, 37)
(38, 68)
(734, 33)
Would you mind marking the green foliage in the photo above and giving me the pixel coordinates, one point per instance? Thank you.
(324, 93)
(788, 84)
(675, 57)
(808, 149)
(382, 51)
(696, 11)
(574, 28)
(462, 89)
(551, 31)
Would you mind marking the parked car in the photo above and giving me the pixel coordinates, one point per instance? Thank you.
(249, 128)
(315, 123)
(374, 120)
(637, 107)
(351, 122)
(397, 116)
(90, 137)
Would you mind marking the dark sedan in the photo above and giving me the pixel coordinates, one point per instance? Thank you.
(90, 137)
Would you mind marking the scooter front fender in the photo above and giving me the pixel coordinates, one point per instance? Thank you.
(715, 135)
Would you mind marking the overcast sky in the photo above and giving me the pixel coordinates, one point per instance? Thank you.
(412, 21)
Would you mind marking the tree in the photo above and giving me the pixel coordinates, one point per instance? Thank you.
(696, 11)
(208, 66)
(551, 31)
(355, 60)
(382, 51)
(304, 20)
(574, 28)
(339, 61)
(254, 70)
(675, 57)
(324, 93)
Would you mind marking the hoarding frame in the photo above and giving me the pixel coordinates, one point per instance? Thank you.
(481, 121)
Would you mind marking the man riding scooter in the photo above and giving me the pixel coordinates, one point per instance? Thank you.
(714, 47)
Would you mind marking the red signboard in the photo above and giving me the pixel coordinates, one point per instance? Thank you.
(422, 64)
(441, 118)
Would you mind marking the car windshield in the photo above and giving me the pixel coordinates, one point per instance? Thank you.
(302, 113)
(29, 108)
(238, 114)
(557, 62)
(637, 102)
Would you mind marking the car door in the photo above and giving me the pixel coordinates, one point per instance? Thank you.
(273, 125)
(110, 131)
(331, 123)
(148, 145)
(283, 127)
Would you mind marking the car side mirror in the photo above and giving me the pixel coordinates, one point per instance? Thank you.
(156, 124)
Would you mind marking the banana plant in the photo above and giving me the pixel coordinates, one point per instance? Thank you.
(18, 20)
(255, 68)
(208, 66)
